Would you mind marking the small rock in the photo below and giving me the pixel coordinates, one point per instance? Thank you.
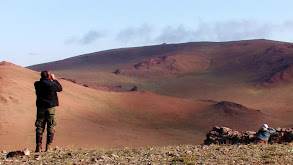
(94, 160)
(117, 71)
(134, 88)
(114, 156)
(188, 152)
(3, 152)
(37, 157)
(26, 152)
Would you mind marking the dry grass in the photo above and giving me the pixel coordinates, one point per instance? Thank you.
(182, 154)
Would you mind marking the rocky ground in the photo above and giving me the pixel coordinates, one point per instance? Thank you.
(183, 154)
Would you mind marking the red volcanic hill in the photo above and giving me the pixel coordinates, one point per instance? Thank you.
(254, 73)
(254, 59)
(234, 115)
(93, 118)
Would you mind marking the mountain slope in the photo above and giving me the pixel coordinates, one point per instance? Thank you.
(91, 118)
(253, 59)
(254, 73)
(237, 71)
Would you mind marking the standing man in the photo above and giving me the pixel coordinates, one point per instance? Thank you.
(47, 99)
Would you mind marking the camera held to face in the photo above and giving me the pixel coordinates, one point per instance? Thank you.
(52, 76)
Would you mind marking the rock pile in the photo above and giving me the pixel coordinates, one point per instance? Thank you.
(282, 135)
(225, 135)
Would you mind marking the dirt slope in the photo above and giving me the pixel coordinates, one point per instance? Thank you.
(92, 118)
(254, 73)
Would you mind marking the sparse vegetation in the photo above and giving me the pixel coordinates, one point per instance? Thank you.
(183, 154)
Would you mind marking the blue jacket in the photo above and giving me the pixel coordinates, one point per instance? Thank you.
(264, 134)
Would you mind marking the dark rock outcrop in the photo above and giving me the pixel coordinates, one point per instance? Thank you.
(117, 71)
(282, 135)
(134, 88)
(279, 75)
(279, 49)
(12, 154)
(225, 135)
(147, 64)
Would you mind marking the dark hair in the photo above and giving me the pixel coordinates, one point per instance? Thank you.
(45, 74)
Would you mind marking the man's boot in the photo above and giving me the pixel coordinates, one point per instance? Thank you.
(50, 137)
(39, 137)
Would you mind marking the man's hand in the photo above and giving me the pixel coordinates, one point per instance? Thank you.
(52, 76)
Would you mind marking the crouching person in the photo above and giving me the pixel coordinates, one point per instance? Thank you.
(263, 134)
(47, 100)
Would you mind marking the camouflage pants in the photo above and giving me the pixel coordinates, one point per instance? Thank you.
(46, 116)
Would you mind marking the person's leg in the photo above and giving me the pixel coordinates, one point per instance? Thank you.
(40, 127)
(51, 125)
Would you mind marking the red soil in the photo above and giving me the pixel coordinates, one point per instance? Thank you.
(93, 119)
(201, 71)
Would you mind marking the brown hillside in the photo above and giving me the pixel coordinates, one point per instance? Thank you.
(91, 118)
(229, 71)
(274, 57)
(256, 58)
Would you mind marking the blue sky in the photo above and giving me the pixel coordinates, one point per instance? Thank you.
(34, 31)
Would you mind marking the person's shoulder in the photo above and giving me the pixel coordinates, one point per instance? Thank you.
(41, 82)
(37, 82)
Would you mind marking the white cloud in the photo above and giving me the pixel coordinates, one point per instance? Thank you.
(146, 34)
(174, 34)
(91, 37)
(205, 31)
(88, 38)
(33, 54)
(141, 34)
